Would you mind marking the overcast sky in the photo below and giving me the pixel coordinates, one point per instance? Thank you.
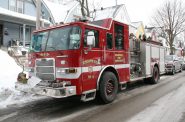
(138, 10)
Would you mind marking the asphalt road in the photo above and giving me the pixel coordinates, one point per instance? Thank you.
(128, 103)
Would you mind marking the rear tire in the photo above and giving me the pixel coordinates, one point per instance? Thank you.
(180, 69)
(108, 87)
(155, 76)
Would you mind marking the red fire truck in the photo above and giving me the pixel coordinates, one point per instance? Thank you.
(89, 59)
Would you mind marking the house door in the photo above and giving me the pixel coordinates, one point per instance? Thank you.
(1, 35)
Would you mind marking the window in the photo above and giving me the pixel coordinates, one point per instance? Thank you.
(27, 34)
(96, 34)
(66, 38)
(118, 30)
(12, 5)
(19, 6)
(109, 41)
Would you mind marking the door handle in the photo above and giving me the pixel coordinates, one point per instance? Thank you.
(85, 51)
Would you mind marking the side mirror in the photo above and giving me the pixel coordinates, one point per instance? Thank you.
(90, 39)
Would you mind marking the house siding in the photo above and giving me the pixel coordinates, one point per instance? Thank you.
(4, 4)
(29, 9)
(13, 27)
(13, 32)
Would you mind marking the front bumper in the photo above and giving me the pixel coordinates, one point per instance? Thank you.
(61, 92)
(167, 70)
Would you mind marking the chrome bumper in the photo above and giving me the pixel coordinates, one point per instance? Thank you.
(61, 92)
(167, 70)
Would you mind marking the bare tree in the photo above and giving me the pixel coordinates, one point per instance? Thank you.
(170, 18)
(84, 7)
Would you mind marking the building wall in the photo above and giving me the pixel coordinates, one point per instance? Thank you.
(14, 29)
(15, 32)
(140, 31)
(29, 8)
(12, 32)
(4, 4)
(132, 29)
(122, 16)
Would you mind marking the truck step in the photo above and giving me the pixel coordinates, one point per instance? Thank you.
(88, 95)
(122, 85)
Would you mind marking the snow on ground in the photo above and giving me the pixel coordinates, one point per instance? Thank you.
(8, 71)
(8, 76)
(169, 108)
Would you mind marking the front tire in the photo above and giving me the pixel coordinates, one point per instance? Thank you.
(173, 71)
(108, 87)
(155, 76)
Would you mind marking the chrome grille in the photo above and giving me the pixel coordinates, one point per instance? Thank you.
(45, 69)
(169, 66)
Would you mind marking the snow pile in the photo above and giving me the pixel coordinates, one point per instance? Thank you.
(8, 71)
(8, 76)
(169, 108)
(16, 98)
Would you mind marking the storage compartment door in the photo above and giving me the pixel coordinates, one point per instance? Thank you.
(162, 64)
(148, 62)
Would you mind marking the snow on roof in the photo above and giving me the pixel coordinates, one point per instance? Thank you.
(118, 13)
(137, 24)
(108, 12)
(59, 11)
(9, 13)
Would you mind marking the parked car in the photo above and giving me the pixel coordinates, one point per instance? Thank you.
(172, 64)
(181, 59)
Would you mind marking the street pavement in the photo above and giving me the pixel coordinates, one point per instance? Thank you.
(129, 103)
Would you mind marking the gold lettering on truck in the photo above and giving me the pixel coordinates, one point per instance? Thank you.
(119, 58)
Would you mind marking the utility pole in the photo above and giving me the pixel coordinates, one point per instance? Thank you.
(38, 23)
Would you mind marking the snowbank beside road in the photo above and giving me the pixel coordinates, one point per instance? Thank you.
(169, 108)
(8, 71)
(8, 76)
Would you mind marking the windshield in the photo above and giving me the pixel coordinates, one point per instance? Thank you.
(58, 39)
(169, 58)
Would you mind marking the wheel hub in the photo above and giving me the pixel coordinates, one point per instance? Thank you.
(109, 87)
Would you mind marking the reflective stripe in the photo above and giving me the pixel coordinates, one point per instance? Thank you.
(81, 70)
(69, 75)
(94, 69)
(120, 66)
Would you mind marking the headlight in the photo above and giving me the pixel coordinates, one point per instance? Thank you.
(61, 71)
(66, 70)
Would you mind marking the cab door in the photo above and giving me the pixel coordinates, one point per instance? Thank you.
(121, 55)
(91, 60)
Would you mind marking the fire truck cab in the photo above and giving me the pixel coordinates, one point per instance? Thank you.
(89, 59)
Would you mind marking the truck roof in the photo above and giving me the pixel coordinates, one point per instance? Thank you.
(103, 24)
